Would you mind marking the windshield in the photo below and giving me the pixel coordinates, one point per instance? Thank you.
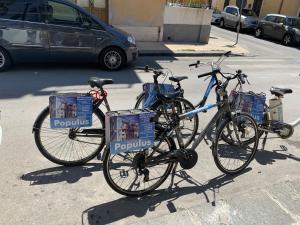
(248, 12)
(293, 22)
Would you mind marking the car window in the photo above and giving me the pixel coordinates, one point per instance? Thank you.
(62, 14)
(293, 22)
(271, 19)
(231, 10)
(20, 10)
(248, 12)
(280, 19)
(94, 24)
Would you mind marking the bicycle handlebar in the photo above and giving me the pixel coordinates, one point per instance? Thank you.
(205, 75)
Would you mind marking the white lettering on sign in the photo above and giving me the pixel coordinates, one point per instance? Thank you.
(73, 123)
(132, 145)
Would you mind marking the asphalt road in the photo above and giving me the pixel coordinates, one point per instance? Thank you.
(36, 191)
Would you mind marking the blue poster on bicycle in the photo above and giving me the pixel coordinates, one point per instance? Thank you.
(129, 130)
(70, 111)
(249, 102)
(151, 92)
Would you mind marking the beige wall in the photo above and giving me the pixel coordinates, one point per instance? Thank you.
(289, 7)
(142, 18)
(136, 12)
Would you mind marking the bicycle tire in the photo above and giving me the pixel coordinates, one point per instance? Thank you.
(188, 107)
(43, 118)
(139, 102)
(107, 167)
(233, 147)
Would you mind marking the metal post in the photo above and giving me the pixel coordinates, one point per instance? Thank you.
(239, 25)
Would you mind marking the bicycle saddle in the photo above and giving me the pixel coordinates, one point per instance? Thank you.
(280, 91)
(98, 82)
(178, 79)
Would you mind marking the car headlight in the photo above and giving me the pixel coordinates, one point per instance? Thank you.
(131, 40)
(297, 31)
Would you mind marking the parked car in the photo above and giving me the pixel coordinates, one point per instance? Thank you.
(231, 17)
(216, 17)
(280, 27)
(60, 31)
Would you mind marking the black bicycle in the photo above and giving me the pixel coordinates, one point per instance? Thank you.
(76, 146)
(161, 104)
(139, 173)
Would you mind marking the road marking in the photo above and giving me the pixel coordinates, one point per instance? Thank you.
(264, 66)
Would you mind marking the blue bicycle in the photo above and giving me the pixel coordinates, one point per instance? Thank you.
(139, 173)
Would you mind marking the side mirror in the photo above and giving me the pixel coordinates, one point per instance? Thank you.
(236, 14)
(86, 25)
(281, 24)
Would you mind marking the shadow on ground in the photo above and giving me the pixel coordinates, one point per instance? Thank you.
(34, 79)
(125, 207)
(61, 174)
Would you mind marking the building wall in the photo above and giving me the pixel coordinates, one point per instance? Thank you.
(289, 7)
(182, 24)
(142, 18)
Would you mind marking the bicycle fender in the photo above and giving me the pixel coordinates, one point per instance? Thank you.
(35, 122)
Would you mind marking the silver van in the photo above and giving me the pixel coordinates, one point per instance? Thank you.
(60, 31)
(231, 17)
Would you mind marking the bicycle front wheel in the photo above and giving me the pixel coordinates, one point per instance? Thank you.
(69, 147)
(130, 175)
(234, 156)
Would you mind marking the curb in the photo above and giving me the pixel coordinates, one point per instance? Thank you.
(185, 54)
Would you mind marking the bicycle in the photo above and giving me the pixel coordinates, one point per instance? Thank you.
(161, 103)
(147, 169)
(273, 116)
(75, 146)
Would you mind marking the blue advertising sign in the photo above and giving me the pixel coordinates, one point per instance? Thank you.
(151, 92)
(129, 130)
(70, 111)
(249, 102)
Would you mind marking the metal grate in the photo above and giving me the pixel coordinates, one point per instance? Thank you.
(189, 3)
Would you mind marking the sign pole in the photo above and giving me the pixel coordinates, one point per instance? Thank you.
(239, 25)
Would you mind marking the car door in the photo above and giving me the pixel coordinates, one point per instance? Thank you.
(22, 32)
(68, 39)
(279, 28)
(267, 25)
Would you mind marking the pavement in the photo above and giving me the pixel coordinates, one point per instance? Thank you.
(36, 191)
(216, 46)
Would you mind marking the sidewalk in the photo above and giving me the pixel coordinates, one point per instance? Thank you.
(216, 47)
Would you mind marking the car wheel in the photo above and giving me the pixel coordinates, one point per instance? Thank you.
(258, 33)
(287, 40)
(112, 59)
(222, 24)
(5, 61)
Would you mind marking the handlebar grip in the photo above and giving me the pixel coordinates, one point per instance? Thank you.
(205, 74)
(195, 64)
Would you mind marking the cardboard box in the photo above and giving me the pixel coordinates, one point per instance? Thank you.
(70, 111)
(129, 130)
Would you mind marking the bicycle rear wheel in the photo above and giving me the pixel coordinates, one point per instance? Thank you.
(234, 156)
(188, 126)
(128, 173)
(69, 147)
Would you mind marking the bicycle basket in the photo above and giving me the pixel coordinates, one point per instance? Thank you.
(151, 92)
(248, 102)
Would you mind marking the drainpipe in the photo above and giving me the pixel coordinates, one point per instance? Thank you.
(281, 4)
